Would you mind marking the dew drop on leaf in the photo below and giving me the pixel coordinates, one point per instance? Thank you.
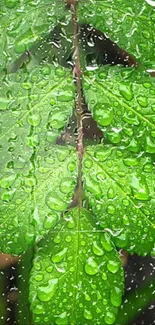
(143, 101)
(111, 209)
(66, 185)
(116, 297)
(110, 193)
(39, 277)
(109, 318)
(45, 293)
(87, 314)
(103, 153)
(11, 3)
(56, 258)
(113, 266)
(150, 145)
(96, 249)
(103, 115)
(62, 319)
(54, 202)
(91, 266)
(38, 309)
(140, 188)
(126, 91)
(131, 161)
(106, 243)
(50, 221)
(34, 119)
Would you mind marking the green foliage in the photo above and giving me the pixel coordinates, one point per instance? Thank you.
(77, 275)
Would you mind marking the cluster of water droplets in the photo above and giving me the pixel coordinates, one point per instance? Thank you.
(120, 192)
(122, 102)
(77, 275)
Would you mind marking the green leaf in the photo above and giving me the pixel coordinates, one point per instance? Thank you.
(119, 189)
(128, 23)
(25, 22)
(35, 107)
(122, 101)
(76, 277)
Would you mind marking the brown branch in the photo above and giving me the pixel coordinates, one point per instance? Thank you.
(79, 107)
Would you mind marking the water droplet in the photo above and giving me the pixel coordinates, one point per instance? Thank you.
(46, 70)
(30, 181)
(88, 163)
(148, 168)
(121, 240)
(114, 137)
(56, 258)
(103, 153)
(39, 277)
(68, 239)
(143, 101)
(11, 3)
(67, 185)
(116, 296)
(34, 119)
(49, 268)
(91, 266)
(125, 220)
(110, 193)
(87, 314)
(57, 238)
(47, 292)
(71, 223)
(111, 209)
(60, 72)
(102, 74)
(126, 91)
(131, 161)
(7, 181)
(93, 187)
(113, 266)
(38, 309)
(57, 119)
(104, 276)
(140, 188)
(106, 242)
(96, 249)
(50, 221)
(150, 145)
(62, 319)
(87, 297)
(65, 96)
(54, 202)
(109, 318)
(37, 266)
(103, 115)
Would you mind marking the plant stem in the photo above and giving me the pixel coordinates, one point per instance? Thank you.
(79, 108)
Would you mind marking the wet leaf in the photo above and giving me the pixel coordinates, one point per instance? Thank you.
(119, 188)
(123, 103)
(23, 23)
(37, 107)
(81, 280)
(130, 24)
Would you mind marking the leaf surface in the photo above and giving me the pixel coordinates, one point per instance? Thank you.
(130, 24)
(120, 193)
(77, 275)
(25, 22)
(34, 110)
(122, 101)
